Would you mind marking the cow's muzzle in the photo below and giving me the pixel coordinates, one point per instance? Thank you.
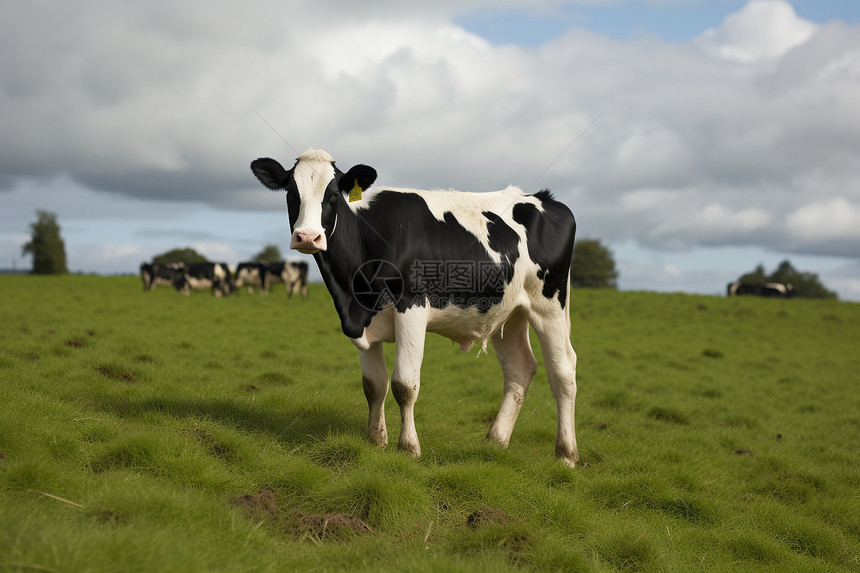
(308, 241)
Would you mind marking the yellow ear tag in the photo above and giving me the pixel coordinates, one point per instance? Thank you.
(355, 193)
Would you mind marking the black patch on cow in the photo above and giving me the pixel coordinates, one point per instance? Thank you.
(502, 238)
(549, 237)
(441, 262)
(505, 241)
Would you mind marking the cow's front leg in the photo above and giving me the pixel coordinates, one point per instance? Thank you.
(374, 379)
(409, 332)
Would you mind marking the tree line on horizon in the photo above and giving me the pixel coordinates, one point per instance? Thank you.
(187, 255)
(805, 284)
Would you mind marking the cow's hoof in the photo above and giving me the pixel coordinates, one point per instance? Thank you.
(378, 440)
(566, 456)
(568, 462)
(494, 437)
(412, 449)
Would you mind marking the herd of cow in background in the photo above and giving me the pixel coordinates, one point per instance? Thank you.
(224, 281)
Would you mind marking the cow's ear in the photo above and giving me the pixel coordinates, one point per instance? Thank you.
(270, 173)
(361, 175)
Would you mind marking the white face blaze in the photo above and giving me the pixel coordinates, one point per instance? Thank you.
(312, 174)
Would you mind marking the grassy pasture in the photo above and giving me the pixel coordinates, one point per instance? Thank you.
(155, 432)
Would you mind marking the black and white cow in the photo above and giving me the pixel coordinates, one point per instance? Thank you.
(299, 283)
(469, 266)
(250, 275)
(205, 276)
(769, 290)
(153, 275)
(294, 275)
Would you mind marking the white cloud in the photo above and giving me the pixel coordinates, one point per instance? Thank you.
(836, 218)
(105, 258)
(762, 30)
(216, 251)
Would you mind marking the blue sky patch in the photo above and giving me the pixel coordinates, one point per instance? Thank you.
(679, 21)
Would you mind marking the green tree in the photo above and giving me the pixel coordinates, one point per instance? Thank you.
(46, 246)
(271, 254)
(806, 284)
(757, 277)
(593, 265)
(186, 255)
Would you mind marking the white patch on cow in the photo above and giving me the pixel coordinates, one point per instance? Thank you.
(777, 286)
(198, 283)
(290, 275)
(312, 174)
(248, 278)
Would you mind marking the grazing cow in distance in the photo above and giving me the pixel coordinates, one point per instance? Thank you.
(205, 276)
(769, 290)
(300, 283)
(250, 275)
(153, 275)
(469, 266)
(294, 275)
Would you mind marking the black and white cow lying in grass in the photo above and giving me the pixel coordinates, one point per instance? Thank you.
(469, 266)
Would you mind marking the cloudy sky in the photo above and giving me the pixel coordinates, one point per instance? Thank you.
(696, 138)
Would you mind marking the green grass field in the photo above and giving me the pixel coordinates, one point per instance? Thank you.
(156, 432)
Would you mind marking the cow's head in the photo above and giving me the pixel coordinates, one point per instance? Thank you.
(314, 188)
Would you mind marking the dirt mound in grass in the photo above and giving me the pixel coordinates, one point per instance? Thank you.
(337, 526)
(487, 516)
(258, 506)
(334, 526)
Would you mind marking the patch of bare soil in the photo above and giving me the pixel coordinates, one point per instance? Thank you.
(319, 527)
(487, 516)
(258, 506)
(333, 526)
(115, 373)
(109, 517)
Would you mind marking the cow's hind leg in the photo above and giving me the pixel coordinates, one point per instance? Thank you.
(518, 367)
(374, 380)
(553, 331)
(409, 333)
